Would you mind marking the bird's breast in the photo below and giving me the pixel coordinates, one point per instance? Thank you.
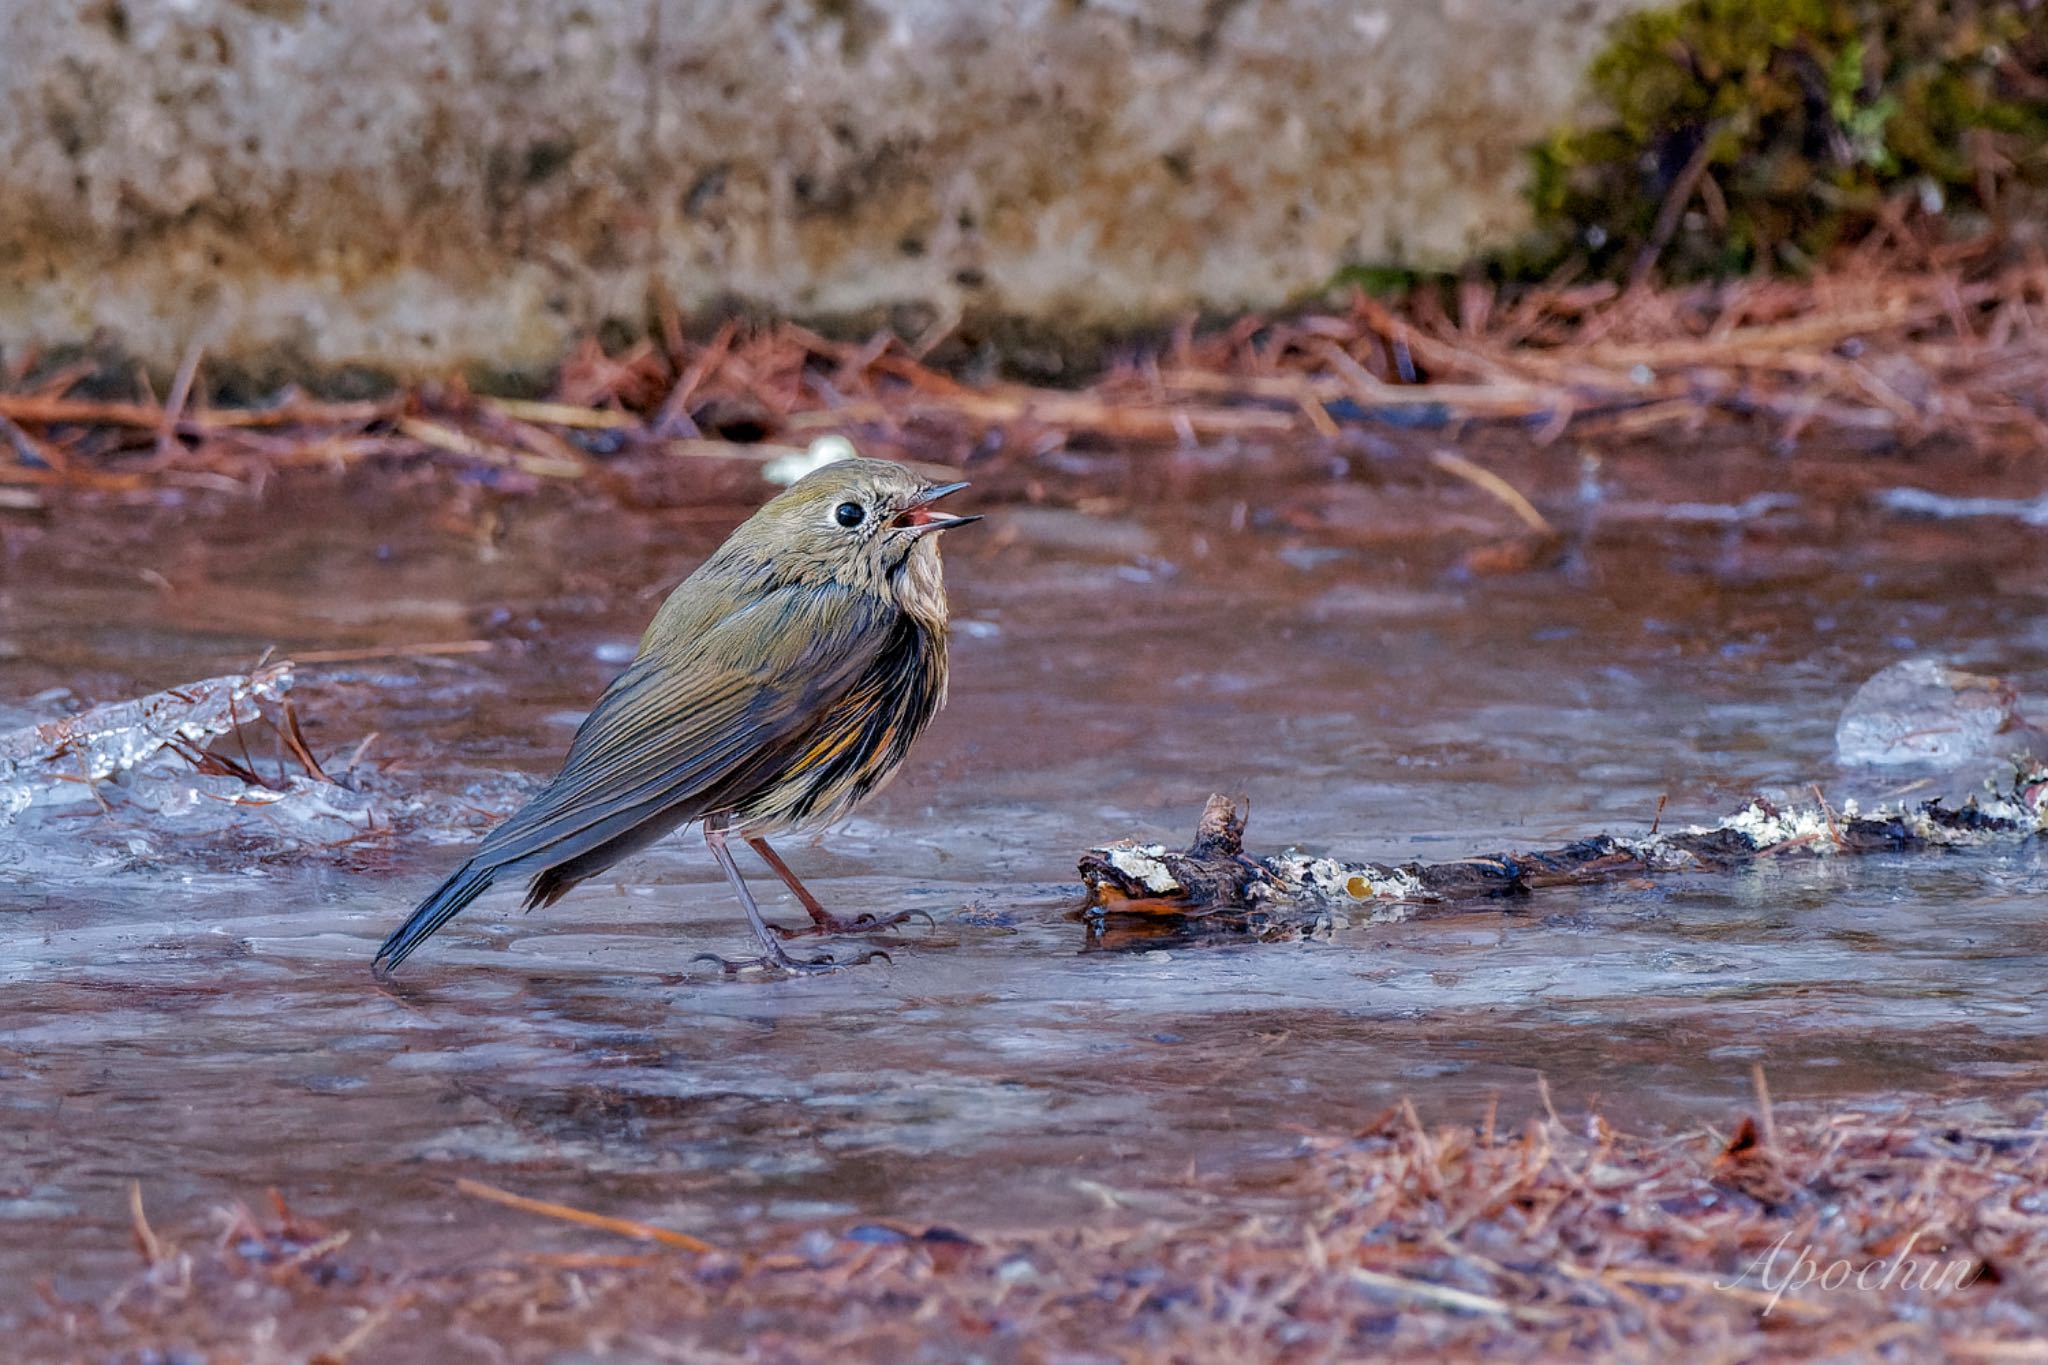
(861, 737)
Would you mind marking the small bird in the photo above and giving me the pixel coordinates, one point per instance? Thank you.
(777, 687)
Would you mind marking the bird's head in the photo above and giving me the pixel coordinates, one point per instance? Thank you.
(868, 523)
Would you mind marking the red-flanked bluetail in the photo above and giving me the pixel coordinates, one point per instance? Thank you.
(780, 685)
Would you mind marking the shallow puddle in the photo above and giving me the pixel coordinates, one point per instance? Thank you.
(197, 1013)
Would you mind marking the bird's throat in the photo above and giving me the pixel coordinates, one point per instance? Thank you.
(919, 585)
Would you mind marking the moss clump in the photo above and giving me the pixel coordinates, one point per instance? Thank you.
(1796, 122)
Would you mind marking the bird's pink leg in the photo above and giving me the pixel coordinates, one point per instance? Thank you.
(823, 921)
(772, 958)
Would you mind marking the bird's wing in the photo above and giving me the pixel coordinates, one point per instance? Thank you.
(682, 720)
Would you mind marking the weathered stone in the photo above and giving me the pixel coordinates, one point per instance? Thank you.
(423, 182)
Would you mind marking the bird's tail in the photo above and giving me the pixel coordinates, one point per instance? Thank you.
(467, 883)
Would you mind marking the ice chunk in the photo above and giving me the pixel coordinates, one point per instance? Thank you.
(1919, 502)
(1923, 712)
(61, 761)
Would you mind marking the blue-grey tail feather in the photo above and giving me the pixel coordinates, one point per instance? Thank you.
(468, 882)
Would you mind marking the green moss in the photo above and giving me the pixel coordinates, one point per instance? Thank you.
(1385, 281)
(1811, 115)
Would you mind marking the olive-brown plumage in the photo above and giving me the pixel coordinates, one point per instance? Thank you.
(777, 687)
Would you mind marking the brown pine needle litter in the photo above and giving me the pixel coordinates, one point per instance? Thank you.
(624, 1227)
(1895, 343)
(1861, 1234)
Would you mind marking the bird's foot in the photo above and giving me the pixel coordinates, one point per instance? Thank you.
(778, 963)
(859, 924)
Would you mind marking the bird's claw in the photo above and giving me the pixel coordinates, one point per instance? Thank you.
(859, 924)
(782, 964)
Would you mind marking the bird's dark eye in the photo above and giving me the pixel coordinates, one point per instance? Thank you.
(849, 514)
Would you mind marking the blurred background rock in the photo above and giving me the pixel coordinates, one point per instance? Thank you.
(300, 184)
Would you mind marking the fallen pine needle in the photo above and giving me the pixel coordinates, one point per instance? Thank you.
(325, 1246)
(591, 1260)
(1769, 1121)
(1991, 1348)
(1777, 1301)
(1493, 483)
(350, 656)
(561, 414)
(145, 1236)
(625, 1227)
(462, 443)
(1443, 1296)
(362, 1332)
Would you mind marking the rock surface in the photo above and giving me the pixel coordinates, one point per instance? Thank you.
(422, 184)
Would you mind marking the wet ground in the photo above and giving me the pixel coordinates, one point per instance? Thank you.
(196, 1012)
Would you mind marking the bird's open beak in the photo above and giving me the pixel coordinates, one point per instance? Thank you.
(918, 516)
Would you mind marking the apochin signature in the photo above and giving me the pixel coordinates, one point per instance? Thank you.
(1901, 1270)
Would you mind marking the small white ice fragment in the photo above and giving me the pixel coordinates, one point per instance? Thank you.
(787, 469)
(1920, 502)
